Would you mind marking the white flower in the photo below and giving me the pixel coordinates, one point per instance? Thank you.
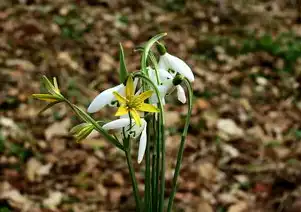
(104, 98)
(165, 86)
(135, 131)
(107, 98)
(168, 61)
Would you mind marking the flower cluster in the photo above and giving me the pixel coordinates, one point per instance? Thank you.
(139, 101)
(129, 98)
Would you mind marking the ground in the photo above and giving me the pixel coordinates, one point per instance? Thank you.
(243, 149)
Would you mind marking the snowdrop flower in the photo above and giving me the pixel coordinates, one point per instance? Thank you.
(166, 84)
(168, 61)
(133, 131)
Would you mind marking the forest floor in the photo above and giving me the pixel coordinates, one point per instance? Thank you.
(243, 150)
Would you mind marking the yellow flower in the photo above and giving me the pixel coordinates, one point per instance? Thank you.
(132, 104)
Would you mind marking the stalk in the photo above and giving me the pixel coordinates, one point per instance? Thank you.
(147, 173)
(181, 148)
(134, 181)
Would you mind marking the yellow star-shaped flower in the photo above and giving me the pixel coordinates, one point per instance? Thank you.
(132, 104)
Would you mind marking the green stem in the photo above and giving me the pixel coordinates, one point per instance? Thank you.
(161, 136)
(134, 181)
(181, 148)
(87, 118)
(147, 173)
(161, 118)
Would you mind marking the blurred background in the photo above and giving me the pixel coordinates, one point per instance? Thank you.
(243, 150)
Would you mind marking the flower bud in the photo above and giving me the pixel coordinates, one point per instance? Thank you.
(161, 48)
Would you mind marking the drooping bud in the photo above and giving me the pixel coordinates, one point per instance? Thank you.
(161, 48)
(178, 79)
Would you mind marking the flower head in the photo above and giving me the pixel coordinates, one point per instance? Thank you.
(168, 61)
(131, 104)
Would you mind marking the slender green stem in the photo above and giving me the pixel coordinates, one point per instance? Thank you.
(134, 181)
(147, 173)
(87, 118)
(162, 181)
(181, 148)
(161, 115)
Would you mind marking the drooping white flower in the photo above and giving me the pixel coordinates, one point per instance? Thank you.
(133, 131)
(168, 61)
(166, 85)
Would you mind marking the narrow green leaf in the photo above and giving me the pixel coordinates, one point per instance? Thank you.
(122, 68)
(86, 117)
(48, 106)
(48, 85)
(147, 47)
(46, 97)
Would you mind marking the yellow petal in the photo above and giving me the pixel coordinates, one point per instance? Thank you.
(136, 116)
(122, 110)
(129, 90)
(120, 98)
(148, 108)
(140, 98)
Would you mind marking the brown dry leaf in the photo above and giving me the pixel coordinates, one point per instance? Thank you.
(23, 64)
(202, 104)
(65, 59)
(35, 168)
(229, 129)
(238, 207)
(31, 168)
(15, 198)
(171, 118)
(57, 129)
(54, 199)
(204, 206)
(207, 172)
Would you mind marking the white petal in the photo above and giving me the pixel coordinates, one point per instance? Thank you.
(163, 89)
(142, 143)
(179, 66)
(163, 62)
(104, 98)
(117, 124)
(181, 94)
(164, 75)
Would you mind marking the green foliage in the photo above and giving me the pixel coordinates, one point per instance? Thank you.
(19, 151)
(298, 134)
(122, 67)
(286, 46)
(2, 146)
(174, 5)
(4, 209)
(72, 25)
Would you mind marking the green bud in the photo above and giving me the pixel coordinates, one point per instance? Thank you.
(178, 79)
(161, 48)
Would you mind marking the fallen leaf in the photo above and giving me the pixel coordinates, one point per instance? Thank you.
(54, 199)
(238, 207)
(31, 168)
(57, 129)
(204, 206)
(228, 128)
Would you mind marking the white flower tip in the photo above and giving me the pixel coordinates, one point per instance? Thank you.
(142, 143)
(92, 108)
(181, 94)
